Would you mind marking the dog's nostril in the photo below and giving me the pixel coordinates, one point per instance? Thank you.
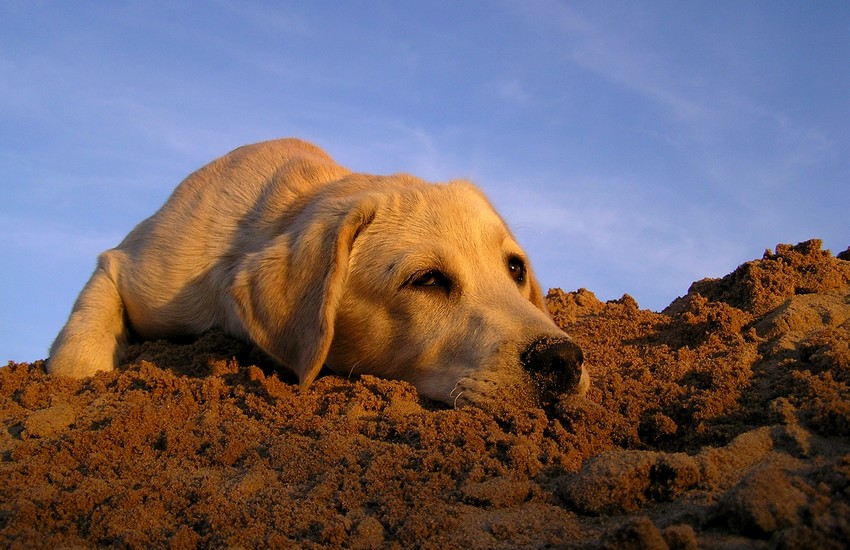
(554, 362)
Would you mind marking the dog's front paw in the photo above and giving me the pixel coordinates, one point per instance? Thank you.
(75, 359)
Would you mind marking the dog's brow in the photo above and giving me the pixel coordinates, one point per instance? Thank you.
(402, 270)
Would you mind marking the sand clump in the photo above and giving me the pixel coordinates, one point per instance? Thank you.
(721, 422)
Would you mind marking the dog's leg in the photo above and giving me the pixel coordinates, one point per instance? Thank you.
(95, 336)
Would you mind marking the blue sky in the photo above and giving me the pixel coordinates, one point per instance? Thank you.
(634, 147)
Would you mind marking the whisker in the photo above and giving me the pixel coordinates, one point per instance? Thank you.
(353, 366)
(454, 404)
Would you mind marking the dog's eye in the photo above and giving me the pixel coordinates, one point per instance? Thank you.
(431, 278)
(516, 268)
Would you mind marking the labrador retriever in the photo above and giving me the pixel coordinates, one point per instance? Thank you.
(276, 244)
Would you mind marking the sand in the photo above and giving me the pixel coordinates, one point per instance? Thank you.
(721, 422)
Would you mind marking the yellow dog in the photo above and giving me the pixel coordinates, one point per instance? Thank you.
(277, 244)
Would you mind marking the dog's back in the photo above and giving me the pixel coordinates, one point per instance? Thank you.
(166, 276)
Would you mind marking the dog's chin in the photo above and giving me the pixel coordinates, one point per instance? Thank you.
(550, 388)
(532, 391)
(487, 394)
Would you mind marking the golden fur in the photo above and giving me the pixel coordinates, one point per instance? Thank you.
(388, 275)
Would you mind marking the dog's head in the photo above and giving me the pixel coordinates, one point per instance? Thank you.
(407, 280)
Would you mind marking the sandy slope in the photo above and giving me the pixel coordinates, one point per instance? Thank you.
(723, 421)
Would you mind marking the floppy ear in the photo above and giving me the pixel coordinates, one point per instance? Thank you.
(537, 294)
(287, 293)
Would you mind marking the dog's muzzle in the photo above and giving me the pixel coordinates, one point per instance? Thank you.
(555, 366)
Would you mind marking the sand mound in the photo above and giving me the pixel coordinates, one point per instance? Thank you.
(722, 421)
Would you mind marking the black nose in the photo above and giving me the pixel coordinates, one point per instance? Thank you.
(554, 364)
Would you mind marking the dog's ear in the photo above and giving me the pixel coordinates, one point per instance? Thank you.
(536, 297)
(287, 293)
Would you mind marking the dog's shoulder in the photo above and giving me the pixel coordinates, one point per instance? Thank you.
(291, 156)
(282, 148)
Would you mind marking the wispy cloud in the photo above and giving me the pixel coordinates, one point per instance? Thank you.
(614, 241)
(709, 90)
(270, 17)
(512, 90)
(53, 242)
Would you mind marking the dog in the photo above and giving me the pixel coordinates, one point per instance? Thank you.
(278, 245)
